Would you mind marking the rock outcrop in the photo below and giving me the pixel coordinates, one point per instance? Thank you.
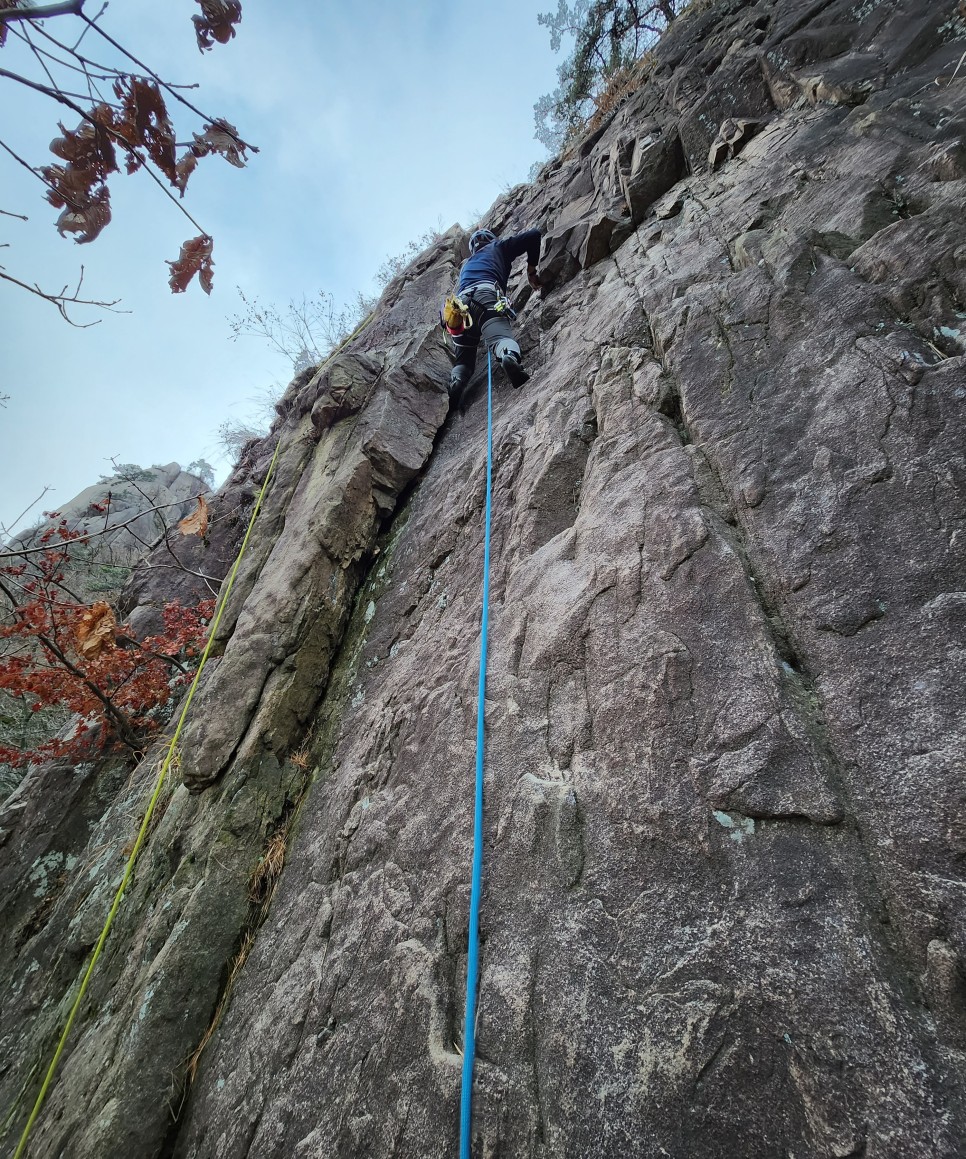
(723, 909)
(128, 511)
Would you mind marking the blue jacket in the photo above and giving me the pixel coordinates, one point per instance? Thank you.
(492, 263)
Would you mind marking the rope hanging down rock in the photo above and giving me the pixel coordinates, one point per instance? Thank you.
(472, 952)
(143, 831)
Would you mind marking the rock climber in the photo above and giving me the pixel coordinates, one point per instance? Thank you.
(482, 289)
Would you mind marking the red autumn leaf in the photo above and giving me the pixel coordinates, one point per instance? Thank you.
(195, 258)
(215, 22)
(79, 186)
(67, 186)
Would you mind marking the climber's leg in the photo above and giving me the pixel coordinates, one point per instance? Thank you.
(508, 352)
(498, 336)
(462, 371)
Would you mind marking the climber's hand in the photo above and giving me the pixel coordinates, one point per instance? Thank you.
(533, 277)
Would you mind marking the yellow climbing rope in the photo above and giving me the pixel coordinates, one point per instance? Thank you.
(142, 833)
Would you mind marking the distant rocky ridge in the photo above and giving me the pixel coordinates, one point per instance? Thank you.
(126, 502)
(724, 905)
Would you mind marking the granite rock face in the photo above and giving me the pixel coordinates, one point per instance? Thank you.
(724, 909)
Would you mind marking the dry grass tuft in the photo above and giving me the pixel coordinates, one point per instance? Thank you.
(266, 874)
(301, 759)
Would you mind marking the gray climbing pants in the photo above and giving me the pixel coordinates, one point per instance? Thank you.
(494, 329)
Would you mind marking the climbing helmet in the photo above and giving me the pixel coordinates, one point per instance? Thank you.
(481, 238)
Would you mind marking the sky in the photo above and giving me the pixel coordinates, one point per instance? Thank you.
(375, 123)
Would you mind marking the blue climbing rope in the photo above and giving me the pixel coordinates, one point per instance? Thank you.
(473, 948)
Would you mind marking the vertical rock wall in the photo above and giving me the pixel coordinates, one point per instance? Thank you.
(723, 909)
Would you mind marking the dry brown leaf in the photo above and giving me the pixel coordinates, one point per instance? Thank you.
(95, 631)
(197, 522)
(195, 258)
(87, 221)
(67, 186)
(145, 122)
(222, 137)
(185, 167)
(89, 146)
(216, 22)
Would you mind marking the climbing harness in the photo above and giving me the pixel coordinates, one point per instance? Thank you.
(473, 946)
(502, 305)
(143, 831)
(455, 316)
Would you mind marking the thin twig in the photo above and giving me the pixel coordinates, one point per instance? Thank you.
(54, 93)
(208, 579)
(25, 36)
(9, 530)
(167, 192)
(25, 164)
(89, 25)
(41, 54)
(63, 300)
(165, 530)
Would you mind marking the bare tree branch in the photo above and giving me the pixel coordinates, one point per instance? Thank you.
(47, 487)
(25, 164)
(165, 531)
(54, 93)
(57, 95)
(103, 71)
(65, 8)
(63, 299)
(81, 187)
(96, 534)
(179, 566)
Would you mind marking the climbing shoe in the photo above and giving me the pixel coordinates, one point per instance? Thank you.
(514, 371)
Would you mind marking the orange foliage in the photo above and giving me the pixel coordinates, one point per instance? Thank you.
(57, 651)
